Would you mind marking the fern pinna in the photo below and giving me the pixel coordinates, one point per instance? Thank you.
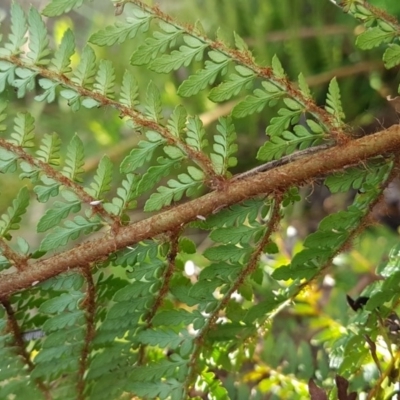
(103, 304)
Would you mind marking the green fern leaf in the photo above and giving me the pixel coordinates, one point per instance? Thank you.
(129, 90)
(49, 150)
(38, 39)
(256, 102)
(105, 79)
(127, 294)
(373, 37)
(158, 44)
(74, 98)
(102, 180)
(332, 233)
(391, 57)
(158, 370)
(65, 282)
(283, 121)
(120, 32)
(63, 321)
(163, 338)
(356, 178)
(126, 193)
(187, 246)
(233, 85)
(7, 74)
(177, 121)
(242, 46)
(236, 214)
(143, 153)
(188, 183)
(23, 135)
(61, 61)
(56, 214)
(228, 252)
(225, 146)
(75, 159)
(238, 235)
(86, 70)
(3, 115)
(221, 271)
(133, 255)
(29, 171)
(155, 173)
(51, 189)
(333, 102)
(25, 81)
(175, 317)
(153, 108)
(277, 67)
(60, 236)
(58, 7)
(8, 161)
(168, 62)
(287, 142)
(195, 134)
(11, 220)
(173, 152)
(4, 265)
(205, 76)
(304, 88)
(17, 37)
(64, 302)
(88, 102)
(170, 388)
(49, 93)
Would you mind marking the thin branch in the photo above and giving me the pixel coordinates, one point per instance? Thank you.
(163, 292)
(15, 259)
(304, 32)
(248, 270)
(296, 173)
(14, 328)
(90, 306)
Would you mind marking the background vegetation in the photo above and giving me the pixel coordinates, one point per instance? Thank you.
(242, 294)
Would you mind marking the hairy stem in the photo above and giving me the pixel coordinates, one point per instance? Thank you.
(296, 173)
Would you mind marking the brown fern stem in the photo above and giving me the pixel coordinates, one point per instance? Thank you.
(296, 173)
(90, 306)
(168, 273)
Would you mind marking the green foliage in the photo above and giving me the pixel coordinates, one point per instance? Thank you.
(99, 302)
(11, 220)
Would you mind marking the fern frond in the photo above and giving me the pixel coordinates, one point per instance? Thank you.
(102, 180)
(60, 236)
(11, 220)
(333, 101)
(224, 146)
(188, 183)
(23, 130)
(58, 7)
(287, 142)
(75, 161)
(17, 36)
(61, 61)
(38, 39)
(120, 32)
